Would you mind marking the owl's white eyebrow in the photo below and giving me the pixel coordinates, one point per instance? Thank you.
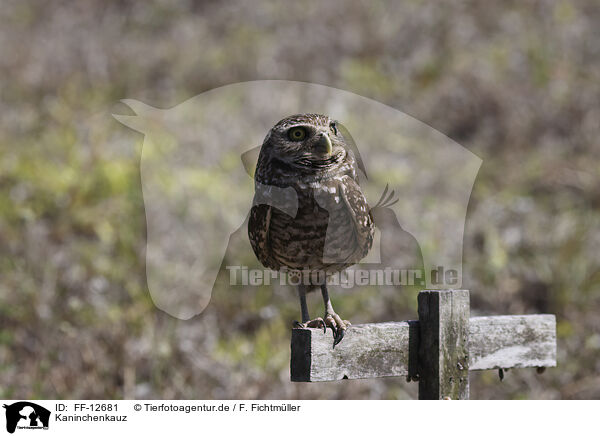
(300, 125)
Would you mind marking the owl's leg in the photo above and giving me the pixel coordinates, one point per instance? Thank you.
(303, 305)
(306, 321)
(332, 319)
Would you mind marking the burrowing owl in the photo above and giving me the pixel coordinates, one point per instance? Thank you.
(331, 228)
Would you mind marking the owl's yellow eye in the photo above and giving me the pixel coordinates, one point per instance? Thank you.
(297, 134)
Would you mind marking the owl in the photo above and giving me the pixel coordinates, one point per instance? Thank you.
(319, 223)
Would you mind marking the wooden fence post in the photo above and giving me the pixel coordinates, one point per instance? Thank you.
(444, 345)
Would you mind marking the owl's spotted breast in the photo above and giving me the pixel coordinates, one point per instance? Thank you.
(322, 236)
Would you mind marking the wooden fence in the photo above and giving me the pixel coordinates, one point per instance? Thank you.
(438, 350)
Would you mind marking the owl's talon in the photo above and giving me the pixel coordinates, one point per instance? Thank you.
(316, 323)
(339, 335)
(330, 322)
(338, 327)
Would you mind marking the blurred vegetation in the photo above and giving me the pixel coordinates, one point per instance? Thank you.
(517, 83)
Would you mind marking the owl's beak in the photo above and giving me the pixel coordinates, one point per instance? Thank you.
(323, 144)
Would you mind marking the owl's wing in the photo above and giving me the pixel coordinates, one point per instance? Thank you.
(258, 233)
(349, 234)
(358, 209)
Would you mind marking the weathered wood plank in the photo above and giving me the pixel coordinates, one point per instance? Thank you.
(444, 344)
(391, 349)
(367, 351)
(513, 341)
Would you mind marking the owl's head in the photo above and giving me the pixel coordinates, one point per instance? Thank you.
(306, 141)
